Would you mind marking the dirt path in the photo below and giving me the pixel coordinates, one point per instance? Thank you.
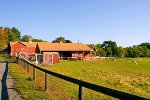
(7, 92)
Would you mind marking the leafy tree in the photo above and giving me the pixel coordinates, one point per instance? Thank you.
(68, 41)
(110, 47)
(37, 40)
(3, 39)
(109, 51)
(13, 34)
(100, 51)
(61, 39)
(130, 52)
(137, 51)
(120, 52)
(25, 38)
(17, 32)
(143, 51)
(147, 44)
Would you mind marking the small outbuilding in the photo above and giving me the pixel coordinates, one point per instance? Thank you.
(51, 57)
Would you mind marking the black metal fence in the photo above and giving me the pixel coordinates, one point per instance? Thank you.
(110, 92)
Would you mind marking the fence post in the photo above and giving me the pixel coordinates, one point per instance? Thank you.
(34, 74)
(23, 65)
(80, 92)
(27, 67)
(46, 81)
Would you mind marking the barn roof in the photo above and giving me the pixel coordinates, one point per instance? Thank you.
(47, 46)
(32, 44)
(63, 47)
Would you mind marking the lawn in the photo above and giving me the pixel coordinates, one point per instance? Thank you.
(122, 74)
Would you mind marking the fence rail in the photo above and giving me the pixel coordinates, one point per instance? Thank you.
(81, 83)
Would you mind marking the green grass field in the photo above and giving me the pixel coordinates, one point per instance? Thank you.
(122, 74)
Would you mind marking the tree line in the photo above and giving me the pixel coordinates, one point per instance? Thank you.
(110, 49)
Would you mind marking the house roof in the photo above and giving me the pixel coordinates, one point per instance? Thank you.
(91, 46)
(47, 46)
(12, 43)
(63, 47)
(32, 44)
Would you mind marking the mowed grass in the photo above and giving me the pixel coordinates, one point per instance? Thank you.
(122, 74)
(128, 75)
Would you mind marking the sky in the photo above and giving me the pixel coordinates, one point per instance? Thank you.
(127, 22)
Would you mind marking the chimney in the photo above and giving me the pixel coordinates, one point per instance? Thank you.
(30, 40)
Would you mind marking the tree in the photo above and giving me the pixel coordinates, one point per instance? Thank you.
(129, 52)
(17, 32)
(68, 41)
(147, 44)
(110, 47)
(100, 51)
(25, 38)
(61, 40)
(3, 39)
(120, 52)
(37, 40)
(13, 34)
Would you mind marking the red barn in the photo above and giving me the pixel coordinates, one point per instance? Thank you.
(53, 50)
(65, 50)
(26, 47)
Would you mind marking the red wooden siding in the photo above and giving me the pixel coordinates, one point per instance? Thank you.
(19, 47)
(48, 56)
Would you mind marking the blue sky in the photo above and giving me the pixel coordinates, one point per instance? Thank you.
(88, 21)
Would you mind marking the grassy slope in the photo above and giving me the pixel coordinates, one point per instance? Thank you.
(122, 74)
(25, 85)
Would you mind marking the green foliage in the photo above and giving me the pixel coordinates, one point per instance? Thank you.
(3, 39)
(100, 51)
(17, 32)
(13, 34)
(61, 39)
(147, 44)
(37, 40)
(137, 51)
(110, 47)
(120, 52)
(25, 38)
(68, 41)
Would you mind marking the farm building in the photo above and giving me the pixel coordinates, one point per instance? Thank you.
(65, 50)
(58, 50)
(27, 47)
